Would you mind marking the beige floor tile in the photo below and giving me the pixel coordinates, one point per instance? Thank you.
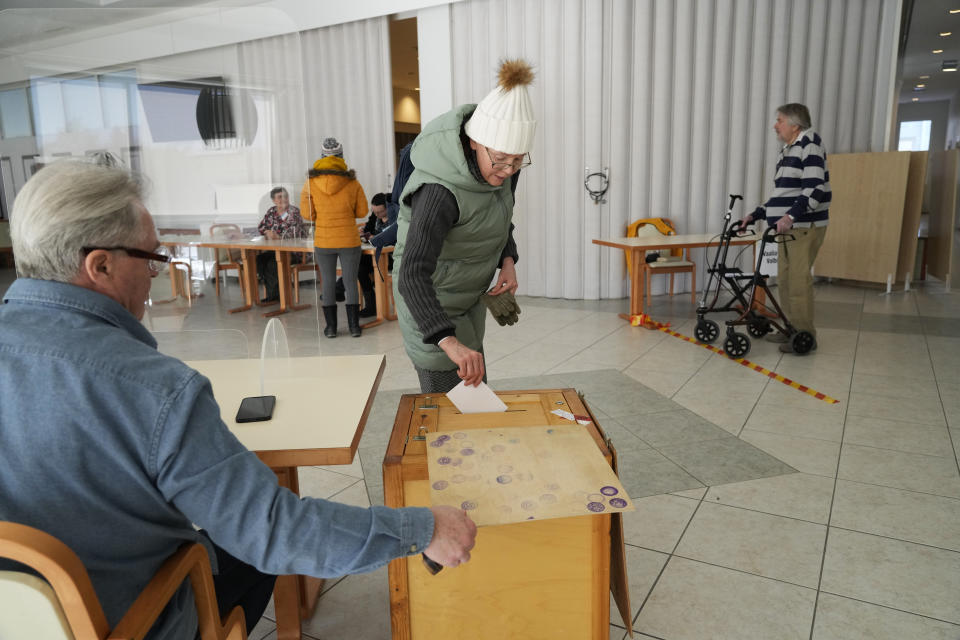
(841, 618)
(896, 513)
(893, 573)
(807, 455)
(693, 601)
(896, 387)
(794, 495)
(664, 382)
(891, 408)
(355, 494)
(728, 409)
(353, 469)
(266, 629)
(643, 569)
(769, 546)
(887, 364)
(317, 483)
(788, 398)
(814, 364)
(658, 521)
(910, 437)
(913, 471)
(823, 423)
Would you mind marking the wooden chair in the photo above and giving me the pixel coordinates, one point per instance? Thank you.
(227, 259)
(62, 605)
(296, 270)
(671, 264)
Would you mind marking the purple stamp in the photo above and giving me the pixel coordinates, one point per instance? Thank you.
(596, 507)
(443, 460)
(609, 491)
(459, 435)
(595, 497)
(468, 505)
(528, 505)
(457, 462)
(437, 443)
(504, 479)
(440, 485)
(466, 452)
(618, 503)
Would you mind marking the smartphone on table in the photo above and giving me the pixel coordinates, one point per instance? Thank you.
(256, 408)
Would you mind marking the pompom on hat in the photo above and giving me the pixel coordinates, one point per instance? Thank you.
(331, 147)
(504, 120)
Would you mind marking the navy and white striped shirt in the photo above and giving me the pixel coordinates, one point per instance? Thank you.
(801, 185)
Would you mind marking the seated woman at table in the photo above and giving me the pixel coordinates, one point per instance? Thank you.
(334, 199)
(281, 221)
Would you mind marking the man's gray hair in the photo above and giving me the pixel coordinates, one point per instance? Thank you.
(69, 205)
(796, 114)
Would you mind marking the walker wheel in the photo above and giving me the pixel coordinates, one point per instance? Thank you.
(706, 331)
(758, 328)
(736, 345)
(802, 342)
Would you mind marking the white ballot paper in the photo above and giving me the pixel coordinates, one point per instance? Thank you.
(478, 399)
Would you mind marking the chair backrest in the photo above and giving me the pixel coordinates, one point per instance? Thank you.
(646, 227)
(226, 231)
(30, 609)
(62, 600)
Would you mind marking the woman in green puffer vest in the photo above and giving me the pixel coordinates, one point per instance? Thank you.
(455, 230)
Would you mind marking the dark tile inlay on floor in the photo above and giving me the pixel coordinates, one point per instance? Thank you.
(662, 446)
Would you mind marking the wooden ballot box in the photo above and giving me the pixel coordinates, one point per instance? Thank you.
(539, 579)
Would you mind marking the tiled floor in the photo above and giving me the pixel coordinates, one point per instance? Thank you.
(761, 512)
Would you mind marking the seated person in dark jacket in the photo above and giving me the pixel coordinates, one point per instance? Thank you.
(377, 222)
(281, 222)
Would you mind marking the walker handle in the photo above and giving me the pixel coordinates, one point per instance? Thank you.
(733, 200)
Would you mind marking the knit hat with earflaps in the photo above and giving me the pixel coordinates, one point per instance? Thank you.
(504, 120)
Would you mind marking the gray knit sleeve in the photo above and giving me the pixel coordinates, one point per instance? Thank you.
(433, 212)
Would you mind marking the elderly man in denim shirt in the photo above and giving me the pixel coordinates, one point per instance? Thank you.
(118, 450)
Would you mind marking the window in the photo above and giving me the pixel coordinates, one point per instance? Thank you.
(914, 135)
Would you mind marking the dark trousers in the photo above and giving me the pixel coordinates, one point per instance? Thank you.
(240, 585)
(267, 273)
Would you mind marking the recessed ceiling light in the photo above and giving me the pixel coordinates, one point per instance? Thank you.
(938, 51)
(948, 70)
(954, 10)
(921, 86)
(416, 88)
(916, 100)
(944, 34)
(949, 65)
(924, 77)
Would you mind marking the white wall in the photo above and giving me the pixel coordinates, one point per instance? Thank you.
(953, 122)
(435, 62)
(936, 112)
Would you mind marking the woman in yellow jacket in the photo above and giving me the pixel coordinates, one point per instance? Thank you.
(334, 199)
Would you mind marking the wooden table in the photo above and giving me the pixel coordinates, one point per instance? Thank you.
(284, 248)
(322, 408)
(638, 247)
(248, 248)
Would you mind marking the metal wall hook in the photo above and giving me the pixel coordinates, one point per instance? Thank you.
(598, 193)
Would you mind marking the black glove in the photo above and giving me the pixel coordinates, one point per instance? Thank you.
(503, 307)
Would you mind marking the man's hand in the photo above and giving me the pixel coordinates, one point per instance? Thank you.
(468, 361)
(507, 280)
(743, 224)
(454, 535)
(784, 224)
(271, 234)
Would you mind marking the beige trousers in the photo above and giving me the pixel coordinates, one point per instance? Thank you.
(795, 283)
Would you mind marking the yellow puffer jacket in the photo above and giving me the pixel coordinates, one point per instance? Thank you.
(334, 199)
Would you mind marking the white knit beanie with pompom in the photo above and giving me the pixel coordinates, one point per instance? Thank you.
(504, 120)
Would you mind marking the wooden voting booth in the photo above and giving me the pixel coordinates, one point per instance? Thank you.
(549, 578)
(874, 216)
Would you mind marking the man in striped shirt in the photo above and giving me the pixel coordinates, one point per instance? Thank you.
(799, 205)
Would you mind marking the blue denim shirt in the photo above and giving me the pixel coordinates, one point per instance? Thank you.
(117, 450)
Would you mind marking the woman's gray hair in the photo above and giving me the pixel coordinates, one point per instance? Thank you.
(69, 205)
(796, 114)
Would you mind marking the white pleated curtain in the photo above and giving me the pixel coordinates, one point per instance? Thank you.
(677, 98)
(320, 93)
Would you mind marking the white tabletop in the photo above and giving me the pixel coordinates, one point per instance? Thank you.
(687, 240)
(321, 409)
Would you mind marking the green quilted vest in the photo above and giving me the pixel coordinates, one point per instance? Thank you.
(471, 251)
